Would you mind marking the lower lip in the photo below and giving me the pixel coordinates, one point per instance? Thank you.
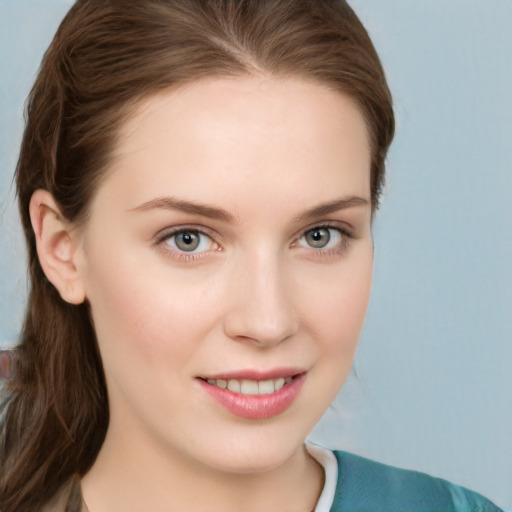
(256, 407)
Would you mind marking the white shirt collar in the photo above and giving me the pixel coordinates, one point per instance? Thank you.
(327, 460)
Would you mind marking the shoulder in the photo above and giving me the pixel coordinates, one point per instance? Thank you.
(365, 485)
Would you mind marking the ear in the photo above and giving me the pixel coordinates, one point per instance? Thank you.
(58, 244)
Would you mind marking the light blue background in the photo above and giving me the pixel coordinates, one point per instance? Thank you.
(433, 389)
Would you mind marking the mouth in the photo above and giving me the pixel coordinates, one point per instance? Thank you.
(254, 396)
(251, 387)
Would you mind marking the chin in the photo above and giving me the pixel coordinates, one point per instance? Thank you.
(256, 455)
(252, 463)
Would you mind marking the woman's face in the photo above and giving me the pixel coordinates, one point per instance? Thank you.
(230, 244)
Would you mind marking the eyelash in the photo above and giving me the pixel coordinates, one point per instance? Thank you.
(161, 241)
(344, 243)
(161, 244)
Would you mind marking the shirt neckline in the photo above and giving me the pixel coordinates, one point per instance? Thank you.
(327, 460)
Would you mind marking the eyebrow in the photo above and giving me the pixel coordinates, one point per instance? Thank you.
(172, 203)
(330, 207)
(212, 212)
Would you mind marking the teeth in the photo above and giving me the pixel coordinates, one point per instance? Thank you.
(251, 387)
(234, 385)
(279, 384)
(266, 387)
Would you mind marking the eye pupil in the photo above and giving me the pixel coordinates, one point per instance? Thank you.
(318, 237)
(187, 240)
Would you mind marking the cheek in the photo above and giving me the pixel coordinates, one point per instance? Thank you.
(333, 311)
(337, 310)
(146, 317)
(338, 307)
(348, 309)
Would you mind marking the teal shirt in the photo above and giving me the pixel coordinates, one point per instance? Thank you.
(368, 486)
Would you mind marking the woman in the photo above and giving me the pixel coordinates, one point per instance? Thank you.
(196, 183)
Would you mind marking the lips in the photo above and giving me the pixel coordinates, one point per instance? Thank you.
(255, 395)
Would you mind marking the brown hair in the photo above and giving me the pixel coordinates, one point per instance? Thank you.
(106, 57)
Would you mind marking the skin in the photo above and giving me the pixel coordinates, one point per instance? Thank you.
(254, 296)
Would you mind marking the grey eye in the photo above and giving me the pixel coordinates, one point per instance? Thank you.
(187, 241)
(318, 238)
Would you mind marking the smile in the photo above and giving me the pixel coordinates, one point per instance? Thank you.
(254, 398)
(251, 387)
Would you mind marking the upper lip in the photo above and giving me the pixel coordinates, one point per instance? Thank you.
(253, 374)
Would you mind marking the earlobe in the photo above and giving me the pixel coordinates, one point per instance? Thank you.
(57, 247)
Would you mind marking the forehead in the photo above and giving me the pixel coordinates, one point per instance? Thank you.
(249, 136)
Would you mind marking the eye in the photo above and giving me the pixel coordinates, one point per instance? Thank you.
(323, 237)
(189, 240)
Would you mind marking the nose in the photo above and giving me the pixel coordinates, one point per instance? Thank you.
(262, 308)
